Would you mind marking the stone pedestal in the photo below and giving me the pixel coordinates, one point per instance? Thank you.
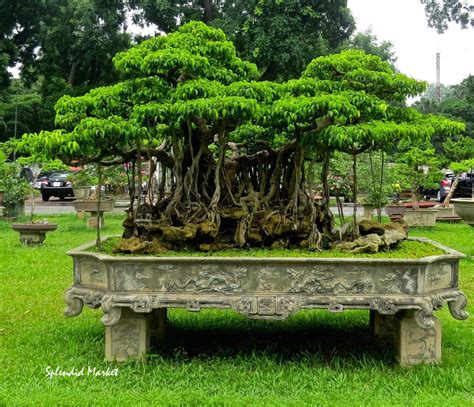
(158, 325)
(96, 218)
(129, 338)
(382, 325)
(368, 212)
(80, 215)
(415, 345)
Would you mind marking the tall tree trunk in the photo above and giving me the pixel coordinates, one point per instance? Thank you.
(208, 13)
(72, 73)
(355, 231)
(451, 191)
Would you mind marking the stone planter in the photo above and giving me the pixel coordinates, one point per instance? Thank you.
(446, 214)
(14, 210)
(134, 293)
(395, 212)
(420, 217)
(33, 233)
(464, 207)
(81, 192)
(97, 214)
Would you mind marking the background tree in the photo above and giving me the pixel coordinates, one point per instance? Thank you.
(368, 42)
(457, 103)
(440, 13)
(281, 37)
(63, 46)
(20, 111)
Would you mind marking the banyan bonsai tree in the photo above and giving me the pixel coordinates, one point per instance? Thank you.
(226, 153)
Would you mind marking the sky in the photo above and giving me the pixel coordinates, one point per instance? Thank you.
(403, 23)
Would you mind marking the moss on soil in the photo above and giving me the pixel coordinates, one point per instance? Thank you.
(407, 249)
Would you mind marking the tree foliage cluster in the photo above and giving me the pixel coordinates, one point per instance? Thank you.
(457, 103)
(65, 46)
(228, 152)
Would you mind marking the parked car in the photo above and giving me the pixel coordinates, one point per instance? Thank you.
(42, 178)
(463, 189)
(56, 185)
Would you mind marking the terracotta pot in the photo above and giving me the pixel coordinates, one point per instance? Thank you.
(421, 204)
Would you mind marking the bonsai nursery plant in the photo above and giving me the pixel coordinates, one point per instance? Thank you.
(33, 232)
(14, 188)
(232, 152)
(417, 162)
(82, 182)
(96, 203)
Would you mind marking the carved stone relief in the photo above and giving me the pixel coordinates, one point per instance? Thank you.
(438, 276)
(210, 278)
(130, 277)
(324, 281)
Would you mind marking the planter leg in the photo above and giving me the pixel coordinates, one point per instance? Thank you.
(158, 324)
(415, 345)
(94, 219)
(129, 338)
(382, 325)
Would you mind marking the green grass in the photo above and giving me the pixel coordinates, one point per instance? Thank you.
(213, 357)
(406, 249)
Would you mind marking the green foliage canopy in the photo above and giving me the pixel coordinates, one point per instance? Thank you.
(192, 105)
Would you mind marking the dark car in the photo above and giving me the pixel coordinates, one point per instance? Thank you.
(56, 185)
(463, 189)
(42, 178)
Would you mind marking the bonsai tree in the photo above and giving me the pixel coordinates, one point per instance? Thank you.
(226, 154)
(15, 188)
(419, 165)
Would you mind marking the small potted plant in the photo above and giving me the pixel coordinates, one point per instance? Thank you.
(14, 190)
(82, 182)
(95, 203)
(418, 165)
(33, 232)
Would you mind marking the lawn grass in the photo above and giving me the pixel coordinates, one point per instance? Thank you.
(213, 357)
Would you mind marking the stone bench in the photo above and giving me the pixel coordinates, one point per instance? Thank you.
(135, 292)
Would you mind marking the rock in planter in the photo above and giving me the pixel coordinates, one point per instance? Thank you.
(375, 236)
(33, 233)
